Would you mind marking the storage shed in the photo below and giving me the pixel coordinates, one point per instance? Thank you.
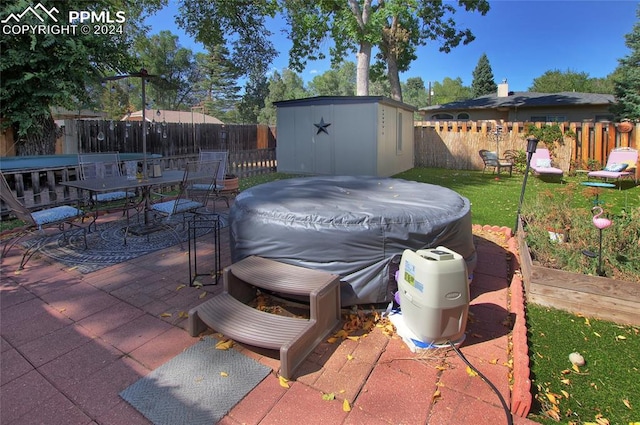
(344, 135)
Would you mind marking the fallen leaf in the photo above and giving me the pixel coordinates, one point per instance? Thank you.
(349, 357)
(471, 372)
(204, 294)
(166, 315)
(566, 381)
(346, 407)
(224, 345)
(586, 322)
(284, 382)
(626, 403)
(602, 421)
(183, 314)
(224, 374)
(564, 393)
(621, 337)
(329, 396)
(332, 340)
(553, 415)
(180, 287)
(353, 338)
(341, 334)
(576, 368)
(552, 398)
(436, 396)
(597, 334)
(493, 361)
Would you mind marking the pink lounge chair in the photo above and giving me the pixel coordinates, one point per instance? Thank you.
(621, 163)
(541, 164)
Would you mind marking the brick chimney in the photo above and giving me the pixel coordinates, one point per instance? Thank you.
(503, 88)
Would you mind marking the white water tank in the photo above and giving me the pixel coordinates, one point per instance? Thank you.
(434, 294)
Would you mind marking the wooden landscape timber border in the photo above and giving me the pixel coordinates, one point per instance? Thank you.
(592, 296)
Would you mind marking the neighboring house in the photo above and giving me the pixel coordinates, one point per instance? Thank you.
(526, 106)
(160, 115)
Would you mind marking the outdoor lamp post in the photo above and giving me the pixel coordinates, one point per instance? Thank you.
(532, 144)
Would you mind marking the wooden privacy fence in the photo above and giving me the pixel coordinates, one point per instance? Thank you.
(166, 139)
(454, 144)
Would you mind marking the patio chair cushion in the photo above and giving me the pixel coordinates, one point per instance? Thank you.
(204, 186)
(543, 163)
(112, 196)
(182, 205)
(616, 167)
(55, 214)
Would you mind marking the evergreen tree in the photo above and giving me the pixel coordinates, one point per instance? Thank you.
(218, 83)
(483, 80)
(627, 78)
(415, 94)
(255, 92)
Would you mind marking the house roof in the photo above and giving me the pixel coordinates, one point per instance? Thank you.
(526, 100)
(172, 116)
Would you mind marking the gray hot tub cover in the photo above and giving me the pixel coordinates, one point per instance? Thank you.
(355, 227)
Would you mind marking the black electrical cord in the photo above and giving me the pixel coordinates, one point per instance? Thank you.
(484, 378)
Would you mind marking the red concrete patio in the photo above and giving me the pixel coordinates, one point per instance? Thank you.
(71, 342)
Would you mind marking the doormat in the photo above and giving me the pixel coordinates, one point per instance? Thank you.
(106, 245)
(199, 386)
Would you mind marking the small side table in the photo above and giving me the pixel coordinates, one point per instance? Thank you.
(211, 222)
(597, 185)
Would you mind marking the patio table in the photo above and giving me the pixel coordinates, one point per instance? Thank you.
(123, 183)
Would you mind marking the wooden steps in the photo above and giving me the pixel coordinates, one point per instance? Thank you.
(229, 314)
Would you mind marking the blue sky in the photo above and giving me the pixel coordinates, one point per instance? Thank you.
(522, 39)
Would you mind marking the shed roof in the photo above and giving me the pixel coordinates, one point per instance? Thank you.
(343, 100)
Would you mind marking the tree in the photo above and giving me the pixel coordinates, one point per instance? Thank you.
(176, 70)
(43, 70)
(627, 81)
(335, 82)
(415, 94)
(219, 76)
(255, 92)
(483, 80)
(556, 81)
(450, 90)
(395, 27)
(240, 25)
(287, 86)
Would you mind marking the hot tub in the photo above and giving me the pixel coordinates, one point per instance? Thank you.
(355, 227)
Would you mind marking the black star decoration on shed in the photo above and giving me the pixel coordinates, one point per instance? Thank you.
(322, 126)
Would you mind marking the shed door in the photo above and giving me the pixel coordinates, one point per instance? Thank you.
(322, 139)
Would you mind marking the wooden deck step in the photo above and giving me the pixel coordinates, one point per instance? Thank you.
(296, 338)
